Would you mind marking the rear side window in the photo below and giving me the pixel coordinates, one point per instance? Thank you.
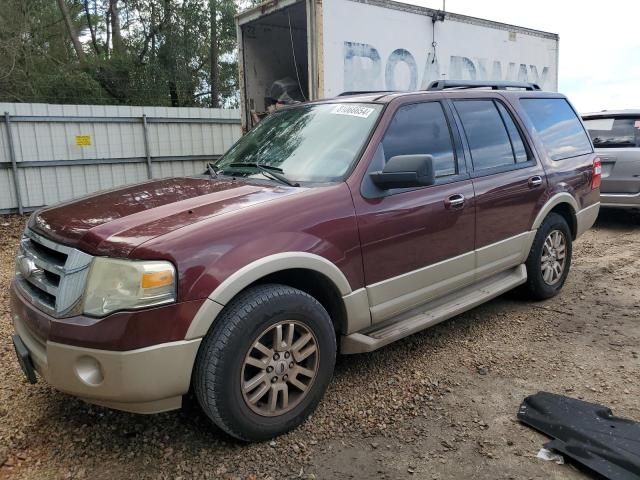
(614, 132)
(558, 126)
(421, 128)
(493, 137)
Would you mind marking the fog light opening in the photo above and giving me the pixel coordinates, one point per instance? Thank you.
(89, 371)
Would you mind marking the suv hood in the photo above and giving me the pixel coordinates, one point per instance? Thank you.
(115, 222)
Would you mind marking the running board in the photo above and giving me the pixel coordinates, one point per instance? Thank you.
(433, 312)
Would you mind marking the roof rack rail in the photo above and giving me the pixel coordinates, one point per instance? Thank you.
(364, 92)
(493, 85)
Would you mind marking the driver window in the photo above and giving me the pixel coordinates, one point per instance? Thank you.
(421, 128)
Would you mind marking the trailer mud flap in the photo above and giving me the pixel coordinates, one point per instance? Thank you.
(586, 432)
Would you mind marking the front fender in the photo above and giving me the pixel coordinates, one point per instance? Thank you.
(258, 269)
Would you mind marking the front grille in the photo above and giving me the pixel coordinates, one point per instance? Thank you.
(51, 275)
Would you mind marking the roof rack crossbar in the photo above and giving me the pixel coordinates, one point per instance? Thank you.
(494, 85)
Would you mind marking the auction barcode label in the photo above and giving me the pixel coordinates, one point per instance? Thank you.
(353, 110)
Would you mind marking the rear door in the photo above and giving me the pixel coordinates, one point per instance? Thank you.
(617, 141)
(509, 182)
(562, 143)
(417, 244)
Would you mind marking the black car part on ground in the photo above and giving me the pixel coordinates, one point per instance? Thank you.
(587, 433)
(24, 359)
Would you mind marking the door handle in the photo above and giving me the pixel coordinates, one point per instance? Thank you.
(535, 181)
(455, 201)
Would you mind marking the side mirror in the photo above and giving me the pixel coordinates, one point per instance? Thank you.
(405, 171)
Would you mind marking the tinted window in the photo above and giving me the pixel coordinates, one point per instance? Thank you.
(421, 129)
(519, 150)
(558, 126)
(486, 133)
(614, 132)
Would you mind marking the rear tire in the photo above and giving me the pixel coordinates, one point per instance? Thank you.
(549, 259)
(266, 362)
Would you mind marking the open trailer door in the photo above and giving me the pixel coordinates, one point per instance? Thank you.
(276, 56)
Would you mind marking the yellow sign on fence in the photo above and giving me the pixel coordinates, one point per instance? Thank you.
(83, 140)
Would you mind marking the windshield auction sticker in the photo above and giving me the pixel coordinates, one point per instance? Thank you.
(352, 110)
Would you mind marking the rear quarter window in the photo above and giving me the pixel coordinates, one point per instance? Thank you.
(558, 126)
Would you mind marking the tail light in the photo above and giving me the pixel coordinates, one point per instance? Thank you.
(596, 177)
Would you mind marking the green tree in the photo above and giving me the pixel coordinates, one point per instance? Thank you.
(136, 52)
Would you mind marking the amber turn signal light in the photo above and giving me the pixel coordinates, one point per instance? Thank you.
(157, 279)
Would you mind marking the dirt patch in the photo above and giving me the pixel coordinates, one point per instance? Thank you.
(440, 404)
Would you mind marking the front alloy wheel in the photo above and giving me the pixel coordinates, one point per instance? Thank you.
(280, 368)
(266, 362)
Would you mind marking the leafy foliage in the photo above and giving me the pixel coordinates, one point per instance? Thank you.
(135, 52)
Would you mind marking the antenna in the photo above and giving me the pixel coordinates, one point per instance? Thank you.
(436, 16)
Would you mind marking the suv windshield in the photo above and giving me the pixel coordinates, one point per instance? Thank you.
(309, 143)
(614, 132)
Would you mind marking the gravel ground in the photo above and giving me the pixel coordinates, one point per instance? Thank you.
(440, 404)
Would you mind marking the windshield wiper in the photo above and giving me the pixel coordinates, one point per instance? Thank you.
(275, 173)
(267, 171)
(255, 165)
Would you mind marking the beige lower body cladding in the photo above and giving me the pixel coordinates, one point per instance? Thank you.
(147, 380)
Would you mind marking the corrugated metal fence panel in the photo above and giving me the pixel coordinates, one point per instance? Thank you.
(166, 139)
(47, 185)
(4, 147)
(116, 155)
(7, 191)
(178, 169)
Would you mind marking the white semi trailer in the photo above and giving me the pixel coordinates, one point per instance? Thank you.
(329, 47)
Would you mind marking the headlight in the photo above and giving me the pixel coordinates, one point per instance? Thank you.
(128, 284)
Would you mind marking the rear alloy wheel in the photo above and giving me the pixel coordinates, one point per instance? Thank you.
(549, 258)
(554, 256)
(266, 362)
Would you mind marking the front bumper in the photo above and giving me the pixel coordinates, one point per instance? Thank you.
(620, 200)
(144, 380)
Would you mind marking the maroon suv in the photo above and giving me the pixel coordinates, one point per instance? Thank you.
(338, 225)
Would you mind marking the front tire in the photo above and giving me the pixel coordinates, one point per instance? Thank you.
(549, 259)
(266, 362)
